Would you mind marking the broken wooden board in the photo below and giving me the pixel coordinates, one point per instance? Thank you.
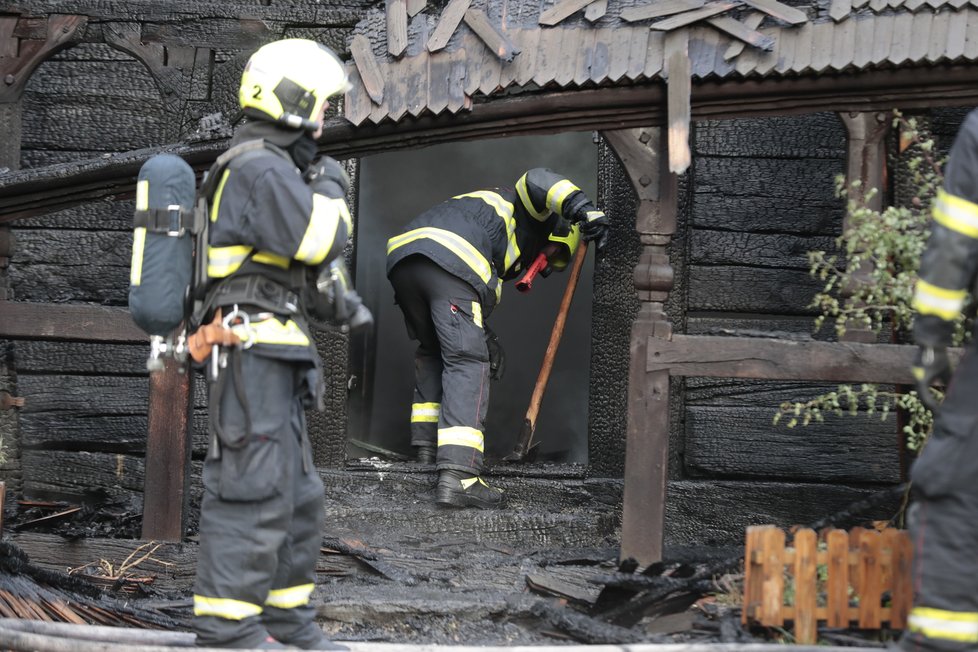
(495, 39)
(397, 36)
(596, 10)
(447, 24)
(752, 22)
(741, 31)
(780, 11)
(367, 66)
(690, 17)
(562, 10)
(659, 9)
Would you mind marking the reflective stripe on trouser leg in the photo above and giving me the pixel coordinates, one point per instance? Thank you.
(248, 505)
(426, 407)
(465, 386)
(944, 524)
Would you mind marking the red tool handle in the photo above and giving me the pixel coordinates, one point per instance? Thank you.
(539, 264)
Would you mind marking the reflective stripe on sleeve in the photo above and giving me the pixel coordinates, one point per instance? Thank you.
(930, 299)
(425, 412)
(451, 241)
(461, 436)
(477, 313)
(524, 194)
(558, 193)
(290, 598)
(223, 261)
(268, 258)
(216, 199)
(321, 231)
(225, 608)
(957, 214)
(958, 626)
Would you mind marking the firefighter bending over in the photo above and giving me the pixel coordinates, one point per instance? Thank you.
(277, 222)
(447, 269)
(943, 518)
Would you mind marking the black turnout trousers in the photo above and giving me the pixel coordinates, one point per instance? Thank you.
(451, 394)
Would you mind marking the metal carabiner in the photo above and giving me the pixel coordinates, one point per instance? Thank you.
(249, 340)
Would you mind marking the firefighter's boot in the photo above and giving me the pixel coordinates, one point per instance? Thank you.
(309, 637)
(461, 489)
(425, 453)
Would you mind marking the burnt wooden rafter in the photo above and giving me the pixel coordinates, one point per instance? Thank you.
(368, 67)
(22, 49)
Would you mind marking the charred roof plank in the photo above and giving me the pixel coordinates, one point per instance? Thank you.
(416, 84)
(857, 4)
(840, 9)
(920, 35)
(367, 66)
(600, 65)
(654, 59)
(570, 45)
(563, 9)
(638, 49)
(619, 52)
(877, 5)
(397, 36)
(689, 17)
(439, 72)
(447, 24)
(414, 7)
(971, 38)
(457, 99)
(780, 11)
(596, 10)
(528, 40)
(742, 32)
(489, 74)
(956, 33)
(882, 38)
(548, 55)
(492, 36)
(803, 37)
(585, 56)
(843, 45)
(865, 36)
(785, 45)
(659, 9)
(751, 22)
(822, 36)
(356, 105)
(902, 37)
(939, 36)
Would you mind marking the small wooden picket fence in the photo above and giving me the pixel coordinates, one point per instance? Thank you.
(836, 577)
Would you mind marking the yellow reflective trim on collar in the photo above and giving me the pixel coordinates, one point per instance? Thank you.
(461, 436)
(524, 194)
(451, 241)
(931, 299)
(956, 213)
(225, 608)
(290, 598)
(558, 193)
(138, 248)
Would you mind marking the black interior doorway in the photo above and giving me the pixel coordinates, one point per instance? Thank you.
(395, 187)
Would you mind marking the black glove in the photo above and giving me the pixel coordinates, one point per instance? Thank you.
(327, 177)
(497, 357)
(931, 363)
(594, 227)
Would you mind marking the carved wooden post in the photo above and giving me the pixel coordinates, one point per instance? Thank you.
(643, 154)
(866, 163)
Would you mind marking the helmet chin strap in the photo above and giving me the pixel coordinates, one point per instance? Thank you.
(295, 122)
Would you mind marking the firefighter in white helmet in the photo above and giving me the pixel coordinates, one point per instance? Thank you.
(276, 220)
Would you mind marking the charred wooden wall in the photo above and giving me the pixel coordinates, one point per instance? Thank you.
(143, 75)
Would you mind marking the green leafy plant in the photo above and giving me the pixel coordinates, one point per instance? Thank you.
(869, 283)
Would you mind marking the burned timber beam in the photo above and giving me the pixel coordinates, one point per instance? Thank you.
(63, 321)
(644, 155)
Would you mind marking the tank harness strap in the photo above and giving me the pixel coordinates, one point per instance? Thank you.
(172, 220)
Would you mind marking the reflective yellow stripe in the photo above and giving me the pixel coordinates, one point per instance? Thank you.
(918, 372)
(425, 412)
(499, 291)
(268, 258)
(222, 261)
(956, 214)
(451, 241)
(558, 193)
(216, 200)
(272, 331)
(477, 313)
(224, 608)
(290, 598)
(503, 209)
(933, 300)
(461, 436)
(142, 195)
(524, 194)
(138, 246)
(959, 626)
(321, 232)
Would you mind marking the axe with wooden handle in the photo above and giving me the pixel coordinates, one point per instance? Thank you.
(526, 450)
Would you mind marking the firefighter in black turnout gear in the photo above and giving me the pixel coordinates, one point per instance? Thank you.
(447, 269)
(271, 232)
(943, 518)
